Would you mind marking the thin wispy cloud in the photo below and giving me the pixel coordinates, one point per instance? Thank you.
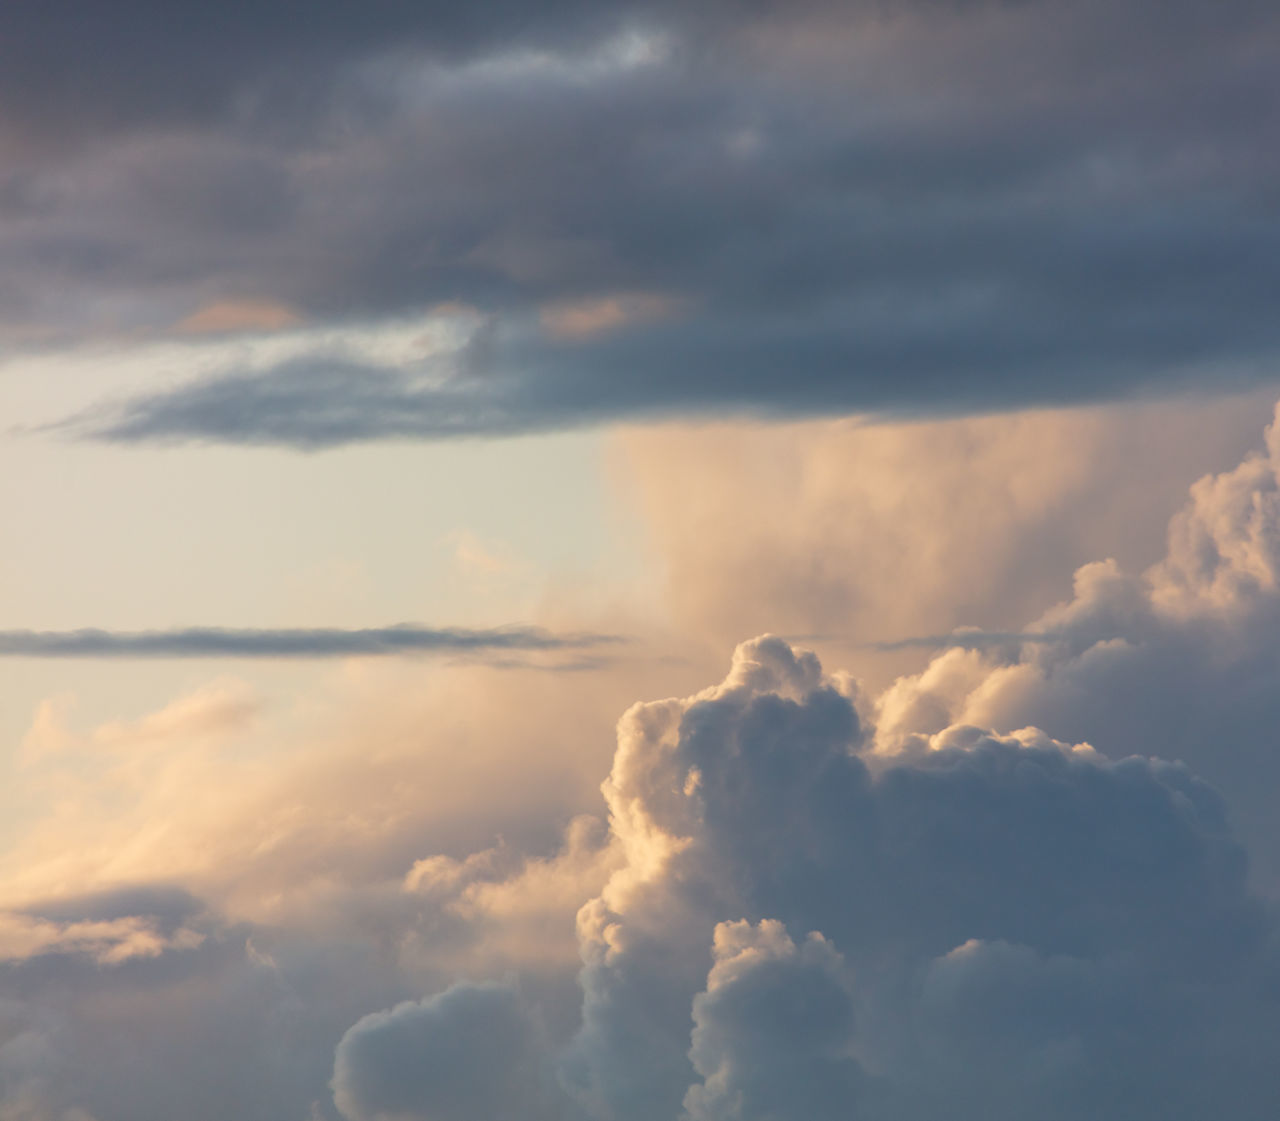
(293, 642)
(965, 640)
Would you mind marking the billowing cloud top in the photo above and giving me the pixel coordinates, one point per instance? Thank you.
(1178, 661)
(644, 208)
(1000, 927)
(779, 922)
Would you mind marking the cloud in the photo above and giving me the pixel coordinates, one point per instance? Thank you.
(107, 928)
(1180, 660)
(298, 642)
(854, 208)
(603, 314)
(215, 709)
(773, 1031)
(516, 910)
(845, 533)
(107, 943)
(764, 372)
(808, 898)
(238, 315)
(152, 1034)
(475, 557)
(776, 922)
(469, 1054)
(749, 801)
(153, 64)
(275, 807)
(966, 638)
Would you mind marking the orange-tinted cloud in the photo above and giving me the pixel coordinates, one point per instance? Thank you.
(868, 532)
(231, 316)
(599, 315)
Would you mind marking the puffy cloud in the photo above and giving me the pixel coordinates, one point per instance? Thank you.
(773, 1032)
(778, 923)
(470, 1054)
(752, 801)
(1179, 661)
(516, 909)
(1003, 1024)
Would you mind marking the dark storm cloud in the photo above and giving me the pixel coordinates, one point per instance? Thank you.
(828, 208)
(138, 63)
(296, 642)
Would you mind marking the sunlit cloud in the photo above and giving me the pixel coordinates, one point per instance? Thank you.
(228, 316)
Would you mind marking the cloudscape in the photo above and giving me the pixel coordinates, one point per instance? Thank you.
(635, 561)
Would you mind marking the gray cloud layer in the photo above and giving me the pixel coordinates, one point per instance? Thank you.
(296, 642)
(908, 207)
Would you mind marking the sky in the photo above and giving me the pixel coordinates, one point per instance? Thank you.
(636, 561)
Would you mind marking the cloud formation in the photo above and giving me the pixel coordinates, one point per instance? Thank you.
(418, 1062)
(1179, 660)
(805, 900)
(108, 928)
(654, 209)
(778, 922)
(773, 1032)
(843, 533)
(292, 642)
(997, 927)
